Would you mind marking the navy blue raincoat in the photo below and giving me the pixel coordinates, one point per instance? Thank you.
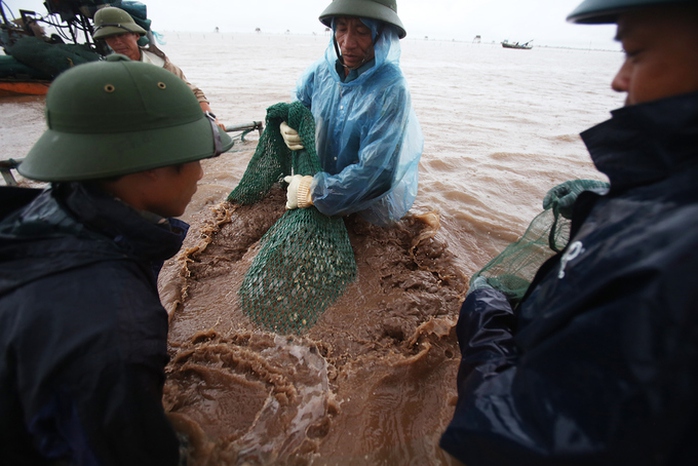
(83, 335)
(599, 363)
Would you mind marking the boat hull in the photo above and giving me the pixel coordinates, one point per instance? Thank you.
(510, 45)
(23, 87)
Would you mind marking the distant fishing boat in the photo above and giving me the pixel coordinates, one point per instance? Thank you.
(515, 45)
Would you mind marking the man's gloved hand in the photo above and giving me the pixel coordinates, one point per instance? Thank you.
(298, 192)
(565, 194)
(291, 137)
(477, 284)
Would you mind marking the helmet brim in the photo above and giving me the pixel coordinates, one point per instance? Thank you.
(607, 11)
(362, 9)
(108, 31)
(63, 156)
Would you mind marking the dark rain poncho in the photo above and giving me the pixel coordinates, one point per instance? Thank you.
(83, 335)
(599, 364)
(367, 135)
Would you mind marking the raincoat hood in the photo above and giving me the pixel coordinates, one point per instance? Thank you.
(386, 49)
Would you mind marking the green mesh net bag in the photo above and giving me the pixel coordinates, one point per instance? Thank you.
(305, 260)
(512, 271)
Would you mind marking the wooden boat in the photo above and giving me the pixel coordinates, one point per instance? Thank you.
(515, 45)
(10, 87)
(18, 78)
(32, 58)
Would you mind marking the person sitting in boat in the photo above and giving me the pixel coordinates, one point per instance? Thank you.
(121, 33)
(367, 134)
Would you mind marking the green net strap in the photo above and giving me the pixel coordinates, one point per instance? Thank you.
(305, 162)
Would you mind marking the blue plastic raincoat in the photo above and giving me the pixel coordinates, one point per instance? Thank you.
(367, 135)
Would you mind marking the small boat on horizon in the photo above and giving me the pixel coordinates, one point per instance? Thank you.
(515, 45)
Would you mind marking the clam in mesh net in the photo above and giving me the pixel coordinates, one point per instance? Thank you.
(512, 271)
(305, 260)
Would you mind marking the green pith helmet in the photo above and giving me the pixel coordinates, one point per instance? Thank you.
(606, 11)
(115, 117)
(382, 10)
(111, 21)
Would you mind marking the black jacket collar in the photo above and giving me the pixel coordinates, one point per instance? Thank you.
(644, 143)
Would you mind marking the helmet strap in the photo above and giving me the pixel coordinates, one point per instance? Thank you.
(217, 143)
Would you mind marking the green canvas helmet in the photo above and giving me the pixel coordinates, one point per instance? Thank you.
(115, 117)
(382, 10)
(111, 21)
(606, 11)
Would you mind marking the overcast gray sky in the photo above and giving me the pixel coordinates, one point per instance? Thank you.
(493, 20)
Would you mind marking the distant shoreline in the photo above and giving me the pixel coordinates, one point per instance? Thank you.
(407, 39)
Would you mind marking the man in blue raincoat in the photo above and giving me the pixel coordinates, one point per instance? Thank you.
(598, 364)
(367, 134)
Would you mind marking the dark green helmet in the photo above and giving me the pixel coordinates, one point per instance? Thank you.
(382, 10)
(606, 11)
(111, 21)
(115, 117)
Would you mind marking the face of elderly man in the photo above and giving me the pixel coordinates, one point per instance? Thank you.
(354, 40)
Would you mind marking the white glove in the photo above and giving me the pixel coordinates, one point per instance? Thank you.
(291, 137)
(298, 192)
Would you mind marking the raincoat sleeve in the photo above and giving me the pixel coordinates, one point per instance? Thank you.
(485, 334)
(372, 175)
(607, 387)
(369, 147)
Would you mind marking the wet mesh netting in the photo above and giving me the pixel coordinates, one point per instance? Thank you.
(512, 271)
(305, 260)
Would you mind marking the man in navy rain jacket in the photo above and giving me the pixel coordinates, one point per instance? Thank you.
(598, 364)
(83, 335)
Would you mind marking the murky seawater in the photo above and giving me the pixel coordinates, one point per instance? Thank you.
(374, 381)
